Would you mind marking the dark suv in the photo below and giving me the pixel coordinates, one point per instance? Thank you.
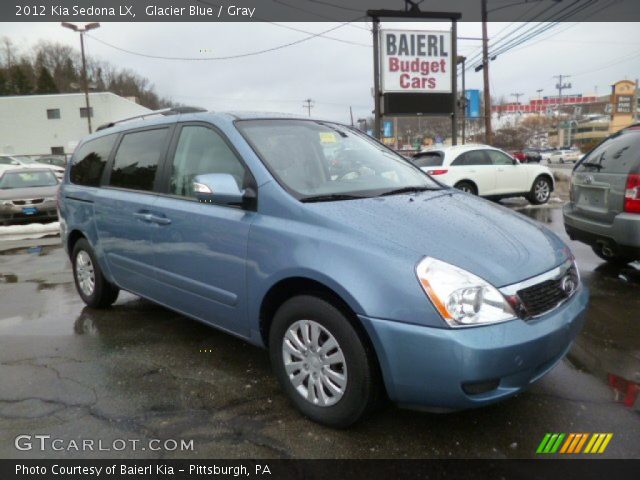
(604, 210)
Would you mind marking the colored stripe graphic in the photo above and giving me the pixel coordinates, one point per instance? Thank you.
(573, 443)
(550, 443)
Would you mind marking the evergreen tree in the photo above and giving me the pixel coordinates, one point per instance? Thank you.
(20, 82)
(45, 82)
(4, 84)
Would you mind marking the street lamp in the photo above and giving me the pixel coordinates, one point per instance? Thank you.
(85, 82)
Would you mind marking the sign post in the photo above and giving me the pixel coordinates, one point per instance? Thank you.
(417, 69)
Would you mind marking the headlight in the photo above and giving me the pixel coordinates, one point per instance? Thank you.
(462, 298)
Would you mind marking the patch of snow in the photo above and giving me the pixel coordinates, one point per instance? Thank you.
(31, 230)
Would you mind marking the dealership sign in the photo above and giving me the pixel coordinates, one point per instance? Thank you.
(416, 61)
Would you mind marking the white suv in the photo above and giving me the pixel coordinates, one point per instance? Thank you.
(487, 171)
(566, 155)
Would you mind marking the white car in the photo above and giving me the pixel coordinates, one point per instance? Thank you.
(565, 156)
(487, 171)
(25, 162)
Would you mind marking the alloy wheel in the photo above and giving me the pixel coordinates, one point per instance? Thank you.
(542, 191)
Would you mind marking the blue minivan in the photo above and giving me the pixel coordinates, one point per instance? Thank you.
(363, 276)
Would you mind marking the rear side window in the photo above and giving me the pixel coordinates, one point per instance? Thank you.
(136, 160)
(89, 161)
(429, 159)
(499, 158)
(472, 158)
(618, 154)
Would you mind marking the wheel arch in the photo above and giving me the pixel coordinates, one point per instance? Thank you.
(547, 176)
(290, 287)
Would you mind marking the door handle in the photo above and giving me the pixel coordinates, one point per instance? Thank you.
(145, 217)
(159, 220)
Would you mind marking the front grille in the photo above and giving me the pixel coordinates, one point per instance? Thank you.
(547, 295)
(34, 201)
(542, 297)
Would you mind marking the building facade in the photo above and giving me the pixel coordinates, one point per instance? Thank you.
(55, 124)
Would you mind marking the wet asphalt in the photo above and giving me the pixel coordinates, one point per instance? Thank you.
(141, 371)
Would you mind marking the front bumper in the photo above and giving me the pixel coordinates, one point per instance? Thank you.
(428, 367)
(16, 213)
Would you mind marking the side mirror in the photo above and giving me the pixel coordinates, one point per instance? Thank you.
(220, 188)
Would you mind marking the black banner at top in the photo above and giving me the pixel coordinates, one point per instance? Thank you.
(309, 10)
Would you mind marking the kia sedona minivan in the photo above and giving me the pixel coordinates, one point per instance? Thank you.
(362, 275)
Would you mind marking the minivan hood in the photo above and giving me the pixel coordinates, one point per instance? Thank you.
(499, 245)
(28, 193)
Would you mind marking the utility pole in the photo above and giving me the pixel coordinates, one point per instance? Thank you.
(539, 91)
(517, 95)
(561, 86)
(488, 133)
(85, 81)
(463, 99)
(377, 113)
(351, 114)
(308, 105)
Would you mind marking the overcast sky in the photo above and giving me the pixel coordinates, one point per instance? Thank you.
(335, 74)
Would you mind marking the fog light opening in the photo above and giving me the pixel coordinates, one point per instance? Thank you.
(477, 388)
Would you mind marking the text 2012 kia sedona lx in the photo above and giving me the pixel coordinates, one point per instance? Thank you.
(361, 274)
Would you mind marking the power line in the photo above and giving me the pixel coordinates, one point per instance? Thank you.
(319, 15)
(341, 7)
(227, 57)
(264, 20)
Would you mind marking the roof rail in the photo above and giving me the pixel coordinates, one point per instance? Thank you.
(163, 111)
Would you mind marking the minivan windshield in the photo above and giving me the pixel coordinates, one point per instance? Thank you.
(318, 161)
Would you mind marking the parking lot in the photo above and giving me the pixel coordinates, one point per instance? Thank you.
(141, 371)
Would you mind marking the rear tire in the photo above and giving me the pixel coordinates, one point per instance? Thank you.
(540, 191)
(333, 380)
(91, 285)
(467, 187)
(617, 260)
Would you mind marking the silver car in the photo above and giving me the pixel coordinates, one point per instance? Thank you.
(604, 210)
(27, 195)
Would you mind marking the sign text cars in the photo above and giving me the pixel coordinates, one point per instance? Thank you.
(416, 61)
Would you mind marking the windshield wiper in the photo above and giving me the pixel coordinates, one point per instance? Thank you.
(331, 197)
(591, 164)
(398, 191)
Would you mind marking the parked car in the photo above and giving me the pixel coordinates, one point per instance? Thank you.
(519, 155)
(604, 207)
(487, 171)
(565, 155)
(27, 162)
(371, 281)
(27, 195)
(57, 160)
(532, 156)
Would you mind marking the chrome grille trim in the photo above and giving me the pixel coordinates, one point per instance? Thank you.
(555, 274)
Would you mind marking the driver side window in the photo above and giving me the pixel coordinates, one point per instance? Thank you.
(200, 151)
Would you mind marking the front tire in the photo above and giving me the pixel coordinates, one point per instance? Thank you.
(322, 363)
(540, 191)
(91, 285)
